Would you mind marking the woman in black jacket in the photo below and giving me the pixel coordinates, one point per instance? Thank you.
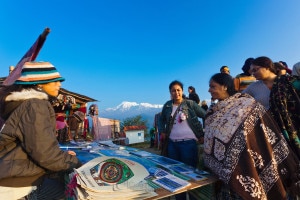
(193, 95)
(30, 156)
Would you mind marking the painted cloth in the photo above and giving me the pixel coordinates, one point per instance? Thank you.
(244, 148)
(285, 108)
(96, 128)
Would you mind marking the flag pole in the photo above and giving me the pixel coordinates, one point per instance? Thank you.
(45, 33)
(30, 55)
(41, 39)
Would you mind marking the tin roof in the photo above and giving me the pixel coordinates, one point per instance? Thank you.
(131, 128)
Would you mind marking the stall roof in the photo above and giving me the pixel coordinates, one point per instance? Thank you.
(79, 97)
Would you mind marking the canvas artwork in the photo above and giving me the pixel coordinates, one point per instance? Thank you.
(163, 161)
(112, 178)
(171, 183)
(141, 153)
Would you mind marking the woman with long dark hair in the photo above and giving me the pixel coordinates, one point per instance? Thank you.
(244, 148)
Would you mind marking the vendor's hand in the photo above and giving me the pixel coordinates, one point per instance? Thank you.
(72, 153)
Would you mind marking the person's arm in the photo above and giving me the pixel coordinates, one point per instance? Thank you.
(162, 122)
(39, 138)
(200, 112)
(197, 99)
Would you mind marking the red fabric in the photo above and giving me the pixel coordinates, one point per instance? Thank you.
(289, 71)
(82, 109)
(85, 127)
(60, 125)
(60, 118)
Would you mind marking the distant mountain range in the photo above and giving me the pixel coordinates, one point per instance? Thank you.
(132, 109)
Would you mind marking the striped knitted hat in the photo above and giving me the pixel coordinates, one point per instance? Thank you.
(38, 73)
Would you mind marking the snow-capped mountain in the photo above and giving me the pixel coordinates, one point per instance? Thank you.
(132, 109)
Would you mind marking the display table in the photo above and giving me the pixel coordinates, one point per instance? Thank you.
(151, 162)
(162, 193)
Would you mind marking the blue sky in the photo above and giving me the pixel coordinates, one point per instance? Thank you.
(130, 50)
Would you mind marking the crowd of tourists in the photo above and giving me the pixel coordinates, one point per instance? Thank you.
(250, 141)
(251, 138)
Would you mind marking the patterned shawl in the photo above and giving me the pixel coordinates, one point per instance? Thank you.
(245, 149)
(285, 108)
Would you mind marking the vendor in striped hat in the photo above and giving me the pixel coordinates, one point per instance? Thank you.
(38, 73)
(29, 148)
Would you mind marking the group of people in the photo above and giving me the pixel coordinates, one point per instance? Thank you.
(78, 126)
(251, 138)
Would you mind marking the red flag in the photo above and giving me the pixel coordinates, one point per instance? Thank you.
(30, 55)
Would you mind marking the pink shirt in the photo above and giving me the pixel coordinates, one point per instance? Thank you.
(181, 129)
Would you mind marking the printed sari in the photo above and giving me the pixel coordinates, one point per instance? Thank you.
(245, 149)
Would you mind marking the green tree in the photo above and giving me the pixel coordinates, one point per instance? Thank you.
(135, 121)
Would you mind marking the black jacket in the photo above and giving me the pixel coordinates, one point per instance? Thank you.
(28, 145)
(194, 97)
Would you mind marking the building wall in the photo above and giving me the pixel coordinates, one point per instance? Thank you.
(135, 136)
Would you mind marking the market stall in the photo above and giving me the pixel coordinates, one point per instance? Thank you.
(111, 169)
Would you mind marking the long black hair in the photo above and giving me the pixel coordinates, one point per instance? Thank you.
(176, 82)
(193, 90)
(225, 80)
(265, 62)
